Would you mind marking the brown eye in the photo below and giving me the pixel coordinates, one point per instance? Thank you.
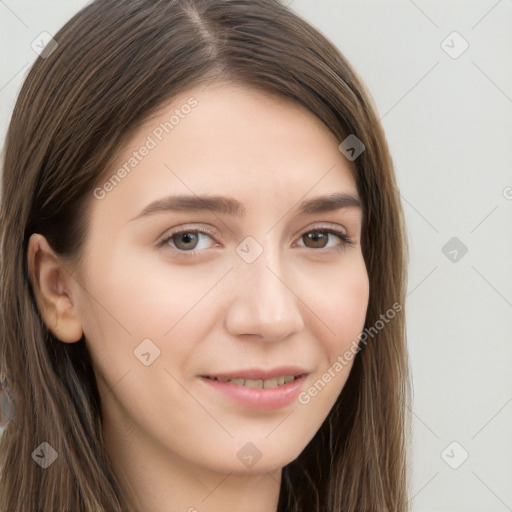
(186, 240)
(319, 238)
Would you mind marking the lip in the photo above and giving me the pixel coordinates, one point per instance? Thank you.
(263, 399)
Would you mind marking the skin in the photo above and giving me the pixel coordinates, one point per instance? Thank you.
(172, 440)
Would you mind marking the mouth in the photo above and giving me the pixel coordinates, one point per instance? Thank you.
(257, 388)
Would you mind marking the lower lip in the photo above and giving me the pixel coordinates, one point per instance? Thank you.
(264, 399)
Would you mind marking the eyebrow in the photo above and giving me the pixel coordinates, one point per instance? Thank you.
(230, 206)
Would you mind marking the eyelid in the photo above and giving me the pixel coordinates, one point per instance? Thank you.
(324, 226)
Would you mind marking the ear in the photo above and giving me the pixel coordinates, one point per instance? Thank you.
(51, 284)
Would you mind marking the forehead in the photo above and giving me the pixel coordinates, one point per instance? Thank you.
(232, 140)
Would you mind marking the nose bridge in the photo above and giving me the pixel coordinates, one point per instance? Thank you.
(263, 303)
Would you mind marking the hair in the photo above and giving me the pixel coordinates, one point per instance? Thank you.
(116, 64)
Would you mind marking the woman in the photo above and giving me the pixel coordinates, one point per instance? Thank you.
(266, 368)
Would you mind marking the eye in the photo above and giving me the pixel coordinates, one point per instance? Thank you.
(319, 237)
(188, 242)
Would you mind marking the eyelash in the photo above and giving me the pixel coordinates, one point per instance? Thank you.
(165, 242)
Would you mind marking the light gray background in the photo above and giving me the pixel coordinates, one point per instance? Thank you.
(449, 124)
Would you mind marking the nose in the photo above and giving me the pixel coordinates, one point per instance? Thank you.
(264, 302)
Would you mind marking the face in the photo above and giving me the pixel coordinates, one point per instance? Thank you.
(211, 324)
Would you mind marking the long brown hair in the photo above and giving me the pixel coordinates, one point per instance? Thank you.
(116, 63)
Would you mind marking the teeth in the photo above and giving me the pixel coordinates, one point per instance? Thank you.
(270, 383)
(274, 382)
(253, 383)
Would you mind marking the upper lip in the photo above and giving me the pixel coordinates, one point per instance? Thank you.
(261, 373)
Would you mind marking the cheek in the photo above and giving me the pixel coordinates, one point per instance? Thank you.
(147, 296)
(130, 300)
(342, 306)
(342, 311)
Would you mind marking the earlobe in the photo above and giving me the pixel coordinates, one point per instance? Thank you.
(50, 282)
